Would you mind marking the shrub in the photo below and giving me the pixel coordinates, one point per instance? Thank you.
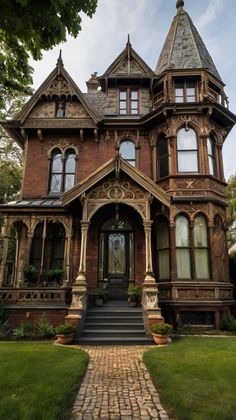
(5, 329)
(25, 330)
(43, 330)
(228, 323)
(65, 329)
(162, 329)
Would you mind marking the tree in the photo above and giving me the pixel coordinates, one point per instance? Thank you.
(11, 155)
(26, 28)
(231, 211)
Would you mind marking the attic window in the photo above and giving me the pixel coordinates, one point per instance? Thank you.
(61, 109)
(128, 101)
(185, 91)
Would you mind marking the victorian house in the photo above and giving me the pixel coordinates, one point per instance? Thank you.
(123, 185)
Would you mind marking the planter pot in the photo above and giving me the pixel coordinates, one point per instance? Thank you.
(99, 302)
(65, 339)
(161, 339)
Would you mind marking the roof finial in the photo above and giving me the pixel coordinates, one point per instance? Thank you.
(128, 44)
(59, 60)
(179, 4)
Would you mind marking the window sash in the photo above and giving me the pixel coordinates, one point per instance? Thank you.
(129, 101)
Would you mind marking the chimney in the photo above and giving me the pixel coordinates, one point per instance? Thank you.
(93, 83)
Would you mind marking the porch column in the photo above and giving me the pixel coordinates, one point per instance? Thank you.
(151, 310)
(4, 255)
(148, 248)
(78, 305)
(81, 277)
(67, 260)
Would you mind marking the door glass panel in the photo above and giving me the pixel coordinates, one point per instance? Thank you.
(116, 253)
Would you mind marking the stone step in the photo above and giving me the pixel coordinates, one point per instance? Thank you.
(112, 333)
(96, 341)
(110, 325)
(114, 319)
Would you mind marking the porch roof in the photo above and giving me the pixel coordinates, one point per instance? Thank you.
(117, 165)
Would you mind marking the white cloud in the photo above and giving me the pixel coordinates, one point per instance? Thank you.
(210, 14)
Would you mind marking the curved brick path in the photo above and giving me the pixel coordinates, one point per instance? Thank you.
(117, 386)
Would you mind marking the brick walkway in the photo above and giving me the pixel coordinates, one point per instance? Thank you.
(117, 386)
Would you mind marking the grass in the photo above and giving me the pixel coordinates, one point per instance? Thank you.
(196, 377)
(39, 381)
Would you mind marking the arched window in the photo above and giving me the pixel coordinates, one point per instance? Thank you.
(127, 151)
(182, 248)
(163, 250)
(62, 171)
(187, 150)
(162, 157)
(201, 248)
(69, 175)
(56, 171)
(211, 156)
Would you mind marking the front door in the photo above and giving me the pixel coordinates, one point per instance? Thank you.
(117, 259)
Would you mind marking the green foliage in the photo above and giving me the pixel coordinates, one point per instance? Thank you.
(40, 330)
(231, 210)
(194, 376)
(134, 293)
(10, 175)
(162, 329)
(43, 330)
(99, 293)
(228, 323)
(65, 329)
(39, 380)
(25, 330)
(55, 275)
(27, 28)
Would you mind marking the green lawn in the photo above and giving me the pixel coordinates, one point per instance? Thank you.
(39, 381)
(196, 377)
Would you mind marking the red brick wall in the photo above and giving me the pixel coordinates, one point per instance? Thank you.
(91, 156)
(17, 316)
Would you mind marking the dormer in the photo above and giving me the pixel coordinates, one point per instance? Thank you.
(130, 80)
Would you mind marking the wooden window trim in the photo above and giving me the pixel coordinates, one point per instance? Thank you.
(128, 101)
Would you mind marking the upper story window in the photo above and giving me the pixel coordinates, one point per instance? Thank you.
(211, 156)
(128, 101)
(162, 157)
(185, 91)
(62, 171)
(187, 150)
(60, 109)
(127, 151)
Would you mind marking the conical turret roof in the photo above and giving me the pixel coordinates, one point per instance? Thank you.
(183, 47)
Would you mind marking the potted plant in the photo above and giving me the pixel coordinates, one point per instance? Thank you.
(134, 293)
(65, 333)
(161, 332)
(30, 273)
(54, 276)
(98, 296)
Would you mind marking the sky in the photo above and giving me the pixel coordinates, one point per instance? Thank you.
(104, 36)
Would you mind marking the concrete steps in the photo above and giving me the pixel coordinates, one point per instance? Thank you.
(114, 323)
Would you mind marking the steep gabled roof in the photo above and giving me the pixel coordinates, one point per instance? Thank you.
(183, 47)
(111, 166)
(127, 64)
(58, 81)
